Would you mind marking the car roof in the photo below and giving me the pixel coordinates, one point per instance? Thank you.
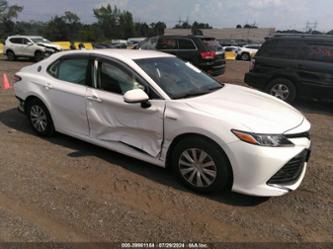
(307, 37)
(30, 36)
(132, 54)
(25, 36)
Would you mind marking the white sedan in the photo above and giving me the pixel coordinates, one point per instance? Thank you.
(155, 107)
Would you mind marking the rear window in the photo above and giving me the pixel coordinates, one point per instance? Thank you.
(212, 44)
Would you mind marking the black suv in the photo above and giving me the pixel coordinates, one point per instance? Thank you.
(203, 52)
(290, 66)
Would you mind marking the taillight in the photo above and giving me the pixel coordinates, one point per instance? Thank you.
(208, 55)
(16, 78)
(252, 65)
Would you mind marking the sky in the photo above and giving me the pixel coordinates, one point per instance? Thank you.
(281, 14)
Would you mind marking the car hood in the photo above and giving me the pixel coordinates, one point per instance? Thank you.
(49, 45)
(255, 111)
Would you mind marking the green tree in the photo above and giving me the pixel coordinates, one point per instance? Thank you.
(8, 16)
(108, 20)
(66, 27)
(126, 25)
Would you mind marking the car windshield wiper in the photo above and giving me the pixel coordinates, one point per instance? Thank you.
(198, 93)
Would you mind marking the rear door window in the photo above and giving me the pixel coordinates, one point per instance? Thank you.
(72, 70)
(16, 40)
(167, 43)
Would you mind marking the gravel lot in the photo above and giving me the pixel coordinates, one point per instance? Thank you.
(62, 189)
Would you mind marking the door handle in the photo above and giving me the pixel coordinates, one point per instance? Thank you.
(94, 98)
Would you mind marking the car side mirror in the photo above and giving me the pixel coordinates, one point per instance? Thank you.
(29, 44)
(137, 96)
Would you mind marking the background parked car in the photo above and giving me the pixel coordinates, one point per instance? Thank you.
(231, 52)
(203, 52)
(295, 65)
(247, 52)
(35, 47)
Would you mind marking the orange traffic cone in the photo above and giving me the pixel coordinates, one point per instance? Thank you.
(5, 82)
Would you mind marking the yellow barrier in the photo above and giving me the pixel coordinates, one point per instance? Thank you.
(230, 55)
(66, 44)
(1, 48)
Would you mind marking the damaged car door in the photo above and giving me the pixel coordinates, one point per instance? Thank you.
(111, 119)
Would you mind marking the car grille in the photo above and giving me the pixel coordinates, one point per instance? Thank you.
(290, 172)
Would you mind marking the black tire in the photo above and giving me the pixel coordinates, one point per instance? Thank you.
(32, 106)
(288, 90)
(223, 178)
(245, 57)
(10, 55)
(39, 55)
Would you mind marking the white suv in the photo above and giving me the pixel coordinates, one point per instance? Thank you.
(35, 47)
(247, 52)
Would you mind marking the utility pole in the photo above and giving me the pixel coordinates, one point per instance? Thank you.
(311, 26)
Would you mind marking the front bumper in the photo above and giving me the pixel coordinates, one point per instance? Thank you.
(255, 166)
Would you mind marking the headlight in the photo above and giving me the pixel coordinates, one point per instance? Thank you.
(271, 140)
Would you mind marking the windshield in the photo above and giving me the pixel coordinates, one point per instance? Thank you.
(212, 44)
(40, 39)
(177, 78)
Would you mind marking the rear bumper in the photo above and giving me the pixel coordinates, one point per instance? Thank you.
(256, 80)
(20, 106)
(212, 68)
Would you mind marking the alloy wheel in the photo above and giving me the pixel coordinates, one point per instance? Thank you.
(280, 91)
(197, 167)
(38, 118)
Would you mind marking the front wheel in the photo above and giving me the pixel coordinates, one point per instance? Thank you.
(283, 89)
(39, 118)
(39, 56)
(201, 165)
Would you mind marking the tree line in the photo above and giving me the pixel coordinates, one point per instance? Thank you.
(111, 23)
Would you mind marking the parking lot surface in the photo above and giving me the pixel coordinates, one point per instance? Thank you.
(63, 189)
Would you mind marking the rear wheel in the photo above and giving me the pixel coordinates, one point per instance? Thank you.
(283, 89)
(201, 165)
(245, 57)
(10, 55)
(39, 55)
(39, 118)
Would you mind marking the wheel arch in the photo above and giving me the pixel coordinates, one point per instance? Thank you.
(9, 50)
(180, 137)
(32, 97)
